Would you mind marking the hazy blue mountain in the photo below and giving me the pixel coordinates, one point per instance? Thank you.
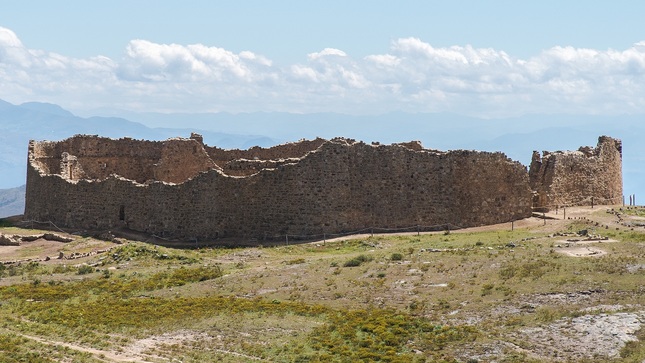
(48, 108)
(12, 201)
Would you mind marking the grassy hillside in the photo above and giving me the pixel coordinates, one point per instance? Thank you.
(542, 292)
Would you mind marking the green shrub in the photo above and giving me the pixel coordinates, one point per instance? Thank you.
(396, 257)
(487, 289)
(357, 261)
(84, 270)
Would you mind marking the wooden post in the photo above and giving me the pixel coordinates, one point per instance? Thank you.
(286, 236)
(512, 225)
(418, 230)
(544, 217)
(565, 213)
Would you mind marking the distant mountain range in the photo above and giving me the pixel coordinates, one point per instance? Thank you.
(516, 137)
(12, 201)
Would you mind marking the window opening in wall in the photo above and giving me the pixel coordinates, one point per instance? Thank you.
(122, 213)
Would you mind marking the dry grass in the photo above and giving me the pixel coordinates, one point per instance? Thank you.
(458, 297)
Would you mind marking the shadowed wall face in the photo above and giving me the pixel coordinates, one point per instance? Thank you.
(183, 189)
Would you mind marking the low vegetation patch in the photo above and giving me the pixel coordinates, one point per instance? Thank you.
(458, 297)
(90, 308)
(357, 261)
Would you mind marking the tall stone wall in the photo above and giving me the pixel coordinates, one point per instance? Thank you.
(316, 187)
(570, 178)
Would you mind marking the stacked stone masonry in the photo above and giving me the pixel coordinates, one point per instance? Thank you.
(183, 189)
(583, 177)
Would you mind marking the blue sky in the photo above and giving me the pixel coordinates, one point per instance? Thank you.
(480, 58)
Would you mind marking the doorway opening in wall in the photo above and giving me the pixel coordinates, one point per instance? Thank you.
(122, 213)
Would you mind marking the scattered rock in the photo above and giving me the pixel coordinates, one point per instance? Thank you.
(16, 240)
(588, 336)
(56, 237)
(8, 240)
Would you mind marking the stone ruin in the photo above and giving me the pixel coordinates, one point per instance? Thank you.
(185, 190)
(587, 176)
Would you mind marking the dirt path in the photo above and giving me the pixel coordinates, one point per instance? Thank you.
(103, 355)
(582, 251)
(554, 222)
(135, 351)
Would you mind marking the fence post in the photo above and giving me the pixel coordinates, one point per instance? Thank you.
(418, 230)
(544, 217)
(286, 236)
(512, 225)
(372, 231)
(565, 213)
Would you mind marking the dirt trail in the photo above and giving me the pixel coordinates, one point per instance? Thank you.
(554, 222)
(104, 355)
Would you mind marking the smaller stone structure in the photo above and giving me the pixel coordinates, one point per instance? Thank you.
(584, 177)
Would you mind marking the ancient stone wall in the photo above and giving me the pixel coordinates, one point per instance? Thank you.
(570, 178)
(96, 158)
(314, 187)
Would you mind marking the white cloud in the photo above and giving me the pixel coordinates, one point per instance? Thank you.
(386, 60)
(304, 73)
(147, 61)
(326, 53)
(412, 76)
(9, 39)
